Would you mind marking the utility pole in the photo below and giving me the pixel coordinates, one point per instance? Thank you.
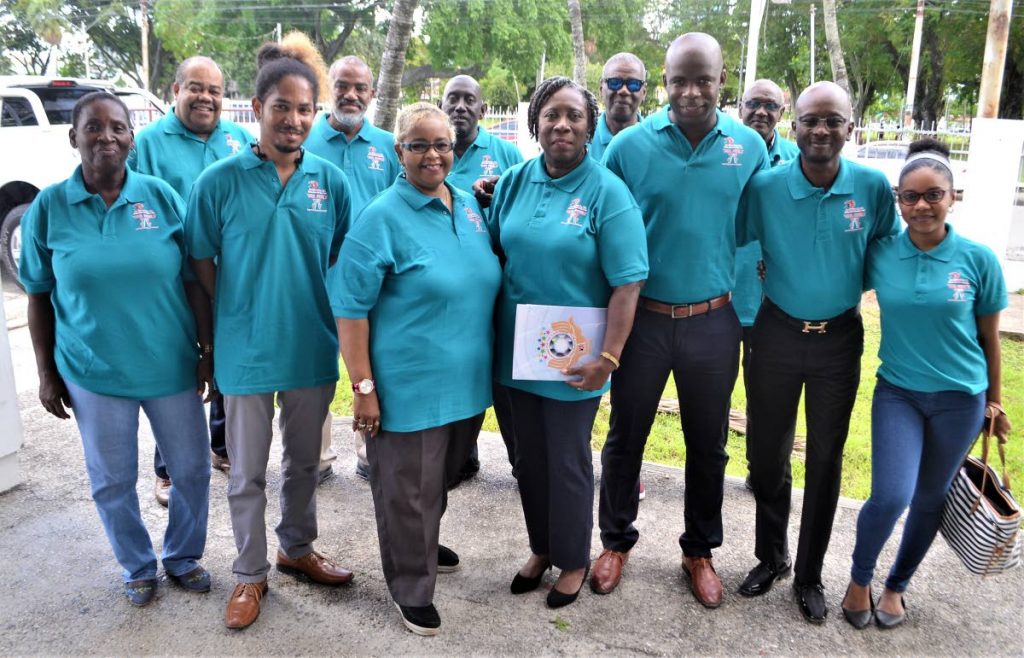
(915, 63)
(277, 33)
(753, 36)
(813, 10)
(144, 5)
(995, 58)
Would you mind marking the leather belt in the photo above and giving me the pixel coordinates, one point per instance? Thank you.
(680, 311)
(812, 326)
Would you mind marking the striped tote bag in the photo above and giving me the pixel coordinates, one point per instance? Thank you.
(981, 519)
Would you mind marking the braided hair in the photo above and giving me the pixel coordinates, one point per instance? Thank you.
(549, 88)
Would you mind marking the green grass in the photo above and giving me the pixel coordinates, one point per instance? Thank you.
(665, 444)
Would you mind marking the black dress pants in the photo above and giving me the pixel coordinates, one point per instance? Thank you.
(826, 367)
(702, 353)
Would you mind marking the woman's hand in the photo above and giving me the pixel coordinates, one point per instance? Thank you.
(54, 394)
(593, 375)
(997, 420)
(366, 413)
(204, 378)
(483, 190)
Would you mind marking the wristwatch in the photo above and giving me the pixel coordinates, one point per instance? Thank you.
(363, 387)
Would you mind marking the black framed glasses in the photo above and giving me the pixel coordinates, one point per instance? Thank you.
(423, 147)
(932, 196)
(769, 106)
(832, 122)
(632, 84)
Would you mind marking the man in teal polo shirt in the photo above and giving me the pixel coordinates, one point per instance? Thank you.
(478, 154)
(686, 166)
(761, 108)
(814, 218)
(366, 154)
(177, 148)
(623, 89)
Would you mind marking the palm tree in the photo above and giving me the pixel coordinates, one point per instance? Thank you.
(835, 49)
(392, 63)
(576, 21)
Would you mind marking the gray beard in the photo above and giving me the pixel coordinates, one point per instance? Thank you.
(348, 121)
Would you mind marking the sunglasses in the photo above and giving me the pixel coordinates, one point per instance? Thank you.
(932, 196)
(769, 106)
(832, 123)
(632, 84)
(423, 147)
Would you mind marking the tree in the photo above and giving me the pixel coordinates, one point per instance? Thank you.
(389, 84)
(835, 48)
(579, 53)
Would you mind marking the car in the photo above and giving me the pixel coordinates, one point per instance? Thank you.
(888, 157)
(35, 115)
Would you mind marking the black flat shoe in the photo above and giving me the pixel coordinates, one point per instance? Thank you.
(811, 599)
(859, 619)
(422, 620)
(762, 577)
(447, 560)
(885, 621)
(558, 599)
(522, 584)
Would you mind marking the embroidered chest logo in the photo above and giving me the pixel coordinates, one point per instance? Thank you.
(574, 213)
(488, 166)
(376, 158)
(316, 195)
(853, 215)
(476, 219)
(960, 287)
(233, 144)
(144, 217)
(733, 151)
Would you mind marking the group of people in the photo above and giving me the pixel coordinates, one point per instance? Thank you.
(411, 253)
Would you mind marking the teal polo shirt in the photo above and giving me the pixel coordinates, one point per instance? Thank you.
(427, 279)
(746, 294)
(369, 160)
(273, 327)
(688, 198)
(123, 325)
(813, 242)
(170, 151)
(602, 137)
(487, 156)
(567, 242)
(930, 302)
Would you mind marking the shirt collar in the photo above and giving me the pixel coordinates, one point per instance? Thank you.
(724, 124)
(250, 160)
(567, 183)
(172, 125)
(75, 191)
(942, 252)
(483, 138)
(331, 133)
(801, 188)
(418, 200)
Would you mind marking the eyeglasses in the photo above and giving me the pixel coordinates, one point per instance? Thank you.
(769, 106)
(832, 123)
(632, 84)
(423, 147)
(932, 196)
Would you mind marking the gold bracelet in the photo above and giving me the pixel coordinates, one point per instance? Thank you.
(611, 358)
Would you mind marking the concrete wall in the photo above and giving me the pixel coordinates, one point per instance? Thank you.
(10, 419)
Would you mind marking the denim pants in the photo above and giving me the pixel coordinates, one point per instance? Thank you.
(918, 441)
(110, 437)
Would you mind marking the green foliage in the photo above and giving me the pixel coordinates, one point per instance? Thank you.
(499, 87)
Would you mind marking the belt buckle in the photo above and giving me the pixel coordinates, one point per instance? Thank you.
(689, 311)
(818, 328)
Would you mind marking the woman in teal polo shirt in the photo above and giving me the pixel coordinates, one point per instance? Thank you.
(570, 235)
(940, 295)
(416, 302)
(103, 262)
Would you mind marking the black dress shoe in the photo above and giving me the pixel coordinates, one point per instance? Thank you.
(811, 599)
(859, 619)
(762, 577)
(447, 560)
(522, 584)
(558, 599)
(421, 620)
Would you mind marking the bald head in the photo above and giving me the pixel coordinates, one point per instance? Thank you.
(696, 44)
(762, 107)
(196, 60)
(463, 102)
(467, 82)
(621, 103)
(198, 95)
(351, 92)
(822, 126)
(824, 92)
(349, 61)
(619, 60)
(693, 79)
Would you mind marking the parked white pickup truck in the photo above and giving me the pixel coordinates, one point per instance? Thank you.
(35, 116)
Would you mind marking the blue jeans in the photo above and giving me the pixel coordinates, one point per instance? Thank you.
(918, 441)
(110, 437)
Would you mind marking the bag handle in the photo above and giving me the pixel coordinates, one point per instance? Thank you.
(988, 429)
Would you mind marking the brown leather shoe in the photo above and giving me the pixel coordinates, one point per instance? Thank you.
(222, 464)
(244, 604)
(162, 490)
(314, 566)
(704, 581)
(606, 572)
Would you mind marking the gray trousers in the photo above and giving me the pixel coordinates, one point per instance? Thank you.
(408, 476)
(249, 433)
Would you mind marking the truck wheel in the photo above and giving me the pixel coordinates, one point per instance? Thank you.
(10, 244)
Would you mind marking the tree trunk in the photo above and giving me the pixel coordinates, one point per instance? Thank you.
(392, 63)
(835, 49)
(576, 22)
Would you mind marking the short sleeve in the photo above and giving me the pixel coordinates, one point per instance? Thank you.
(991, 296)
(365, 259)
(178, 210)
(747, 230)
(622, 241)
(203, 229)
(343, 211)
(888, 216)
(35, 269)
